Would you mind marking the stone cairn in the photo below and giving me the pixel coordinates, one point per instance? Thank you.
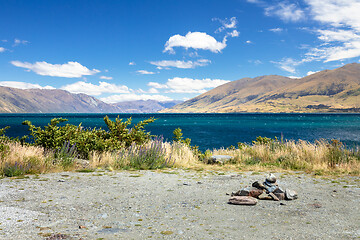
(268, 190)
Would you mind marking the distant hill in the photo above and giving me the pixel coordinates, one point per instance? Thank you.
(141, 106)
(335, 90)
(13, 100)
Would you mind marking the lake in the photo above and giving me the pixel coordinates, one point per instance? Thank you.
(216, 130)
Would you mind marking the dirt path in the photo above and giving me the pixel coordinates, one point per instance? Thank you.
(176, 205)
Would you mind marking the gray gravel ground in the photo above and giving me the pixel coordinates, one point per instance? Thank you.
(174, 205)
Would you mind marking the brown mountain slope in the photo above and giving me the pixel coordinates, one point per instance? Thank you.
(325, 91)
(233, 94)
(49, 101)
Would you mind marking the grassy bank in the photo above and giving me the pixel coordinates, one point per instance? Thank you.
(58, 148)
(320, 158)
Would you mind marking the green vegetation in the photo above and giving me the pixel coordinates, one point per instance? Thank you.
(147, 156)
(52, 137)
(57, 147)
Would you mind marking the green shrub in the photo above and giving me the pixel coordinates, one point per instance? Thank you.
(53, 137)
(15, 169)
(263, 140)
(252, 161)
(195, 149)
(178, 137)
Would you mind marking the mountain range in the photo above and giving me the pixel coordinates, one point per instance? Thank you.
(335, 90)
(13, 100)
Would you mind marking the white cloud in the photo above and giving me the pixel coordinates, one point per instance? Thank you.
(226, 23)
(18, 42)
(294, 77)
(337, 13)
(195, 40)
(157, 85)
(340, 27)
(153, 90)
(2, 49)
(311, 72)
(133, 97)
(286, 11)
(23, 85)
(234, 33)
(342, 37)
(132, 63)
(255, 1)
(68, 70)
(288, 64)
(144, 72)
(180, 64)
(256, 62)
(276, 30)
(106, 78)
(249, 42)
(188, 85)
(337, 36)
(95, 90)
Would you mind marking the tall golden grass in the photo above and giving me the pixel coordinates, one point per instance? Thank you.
(320, 157)
(29, 158)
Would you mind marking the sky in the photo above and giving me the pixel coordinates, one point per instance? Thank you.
(170, 49)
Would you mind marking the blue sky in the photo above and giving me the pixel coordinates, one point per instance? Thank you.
(170, 49)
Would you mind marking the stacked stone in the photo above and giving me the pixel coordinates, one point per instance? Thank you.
(268, 190)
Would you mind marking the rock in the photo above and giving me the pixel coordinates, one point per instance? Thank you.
(220, 159)
(274, 196)
(316, 205)
(280, 196)
(271, 178)
(270, 187)
(290, 194)
(256, 192)
(265, 196)
(249, 191)
(270, 184)
(241, 192)
(278, 190)
(258, 185)
(82, 163)
(243, 200)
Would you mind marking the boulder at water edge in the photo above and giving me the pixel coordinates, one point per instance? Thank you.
(220, 159)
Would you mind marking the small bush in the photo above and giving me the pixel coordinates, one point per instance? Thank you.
(15, 169)
(66, 155)
(148, 156)
(336, 154)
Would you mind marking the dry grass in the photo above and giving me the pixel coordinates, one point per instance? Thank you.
(321, 157)
(179, 155)
(29, 159)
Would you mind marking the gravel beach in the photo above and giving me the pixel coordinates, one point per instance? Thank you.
(174, 204)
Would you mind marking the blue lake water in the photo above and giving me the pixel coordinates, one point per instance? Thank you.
(216, 130)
